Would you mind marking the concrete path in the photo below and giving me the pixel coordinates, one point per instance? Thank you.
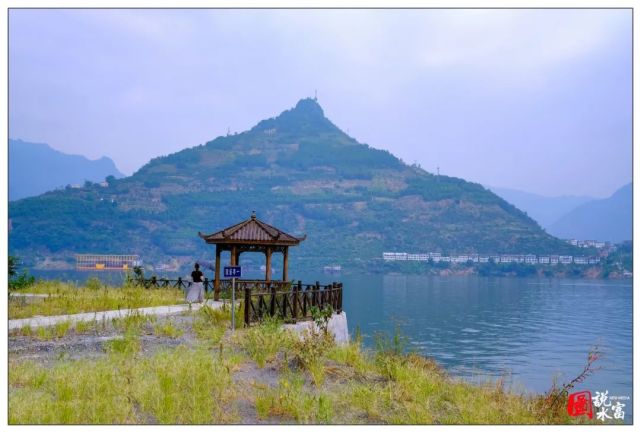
(35, 322)
(337, 325)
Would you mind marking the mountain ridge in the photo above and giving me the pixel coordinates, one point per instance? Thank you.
(299, 172)
(608, 219)
(543, 209)
(35, 168)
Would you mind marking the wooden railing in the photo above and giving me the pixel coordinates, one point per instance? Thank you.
(225, 285)
(290, 304)
(286, 300)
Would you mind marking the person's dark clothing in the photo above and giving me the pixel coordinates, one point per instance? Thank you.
(197, 276)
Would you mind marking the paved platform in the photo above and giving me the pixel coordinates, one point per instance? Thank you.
(38, 321)
(337, 326)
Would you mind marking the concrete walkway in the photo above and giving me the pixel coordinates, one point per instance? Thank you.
(37, 321)
(337, 326)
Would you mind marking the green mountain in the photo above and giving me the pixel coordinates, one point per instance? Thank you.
(299, 172)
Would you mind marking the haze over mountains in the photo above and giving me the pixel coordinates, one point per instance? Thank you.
(544, 210)
(574, 217)
(608, 219)
(299, 172)
(35, 168)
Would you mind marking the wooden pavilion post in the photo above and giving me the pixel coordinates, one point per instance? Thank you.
(217, 274)
(268, 264)
(285, 256)
(233, 256)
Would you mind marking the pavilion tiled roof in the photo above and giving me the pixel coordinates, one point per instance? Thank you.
(252, 231)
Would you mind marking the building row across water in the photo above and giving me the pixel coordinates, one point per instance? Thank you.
(492, 258)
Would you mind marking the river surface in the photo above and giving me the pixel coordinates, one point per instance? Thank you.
(529, 332)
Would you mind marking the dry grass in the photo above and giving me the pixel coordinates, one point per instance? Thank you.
(316, 380)
(68, 299)
(178, 386)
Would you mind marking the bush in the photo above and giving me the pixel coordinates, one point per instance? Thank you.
(17, 282)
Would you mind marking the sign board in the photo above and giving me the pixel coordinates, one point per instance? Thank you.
(231, 272)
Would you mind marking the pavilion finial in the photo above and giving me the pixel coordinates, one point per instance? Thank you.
(253, 214)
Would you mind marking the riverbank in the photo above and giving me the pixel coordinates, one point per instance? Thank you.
(191, 369)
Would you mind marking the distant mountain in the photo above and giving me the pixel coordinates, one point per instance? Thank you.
(544, 210)
(299, 172)
(607, 219)
(35, 168)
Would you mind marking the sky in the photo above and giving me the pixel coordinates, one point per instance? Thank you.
(535, 100)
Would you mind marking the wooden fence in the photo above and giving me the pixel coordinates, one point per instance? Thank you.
(291, 304)
(225, 284)
(288, 301)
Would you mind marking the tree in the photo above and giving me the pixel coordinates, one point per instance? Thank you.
(13, 266)
(18, 281)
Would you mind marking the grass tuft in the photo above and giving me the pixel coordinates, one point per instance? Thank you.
(263, 342)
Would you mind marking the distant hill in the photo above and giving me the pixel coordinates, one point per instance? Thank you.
(608, 219)
(299, 172)
(544, 210)
(35, 168)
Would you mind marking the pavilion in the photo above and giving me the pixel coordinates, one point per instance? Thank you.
(251, 235)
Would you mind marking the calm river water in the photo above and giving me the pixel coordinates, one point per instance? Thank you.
(528, 331)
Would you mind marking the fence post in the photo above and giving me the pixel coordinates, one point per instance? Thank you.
(304, 294)
(296, 293)
(153, 281)
(315, 293)
(247, 302)
(332, 297)
(180, 282)
(284, 307)
(272, 304)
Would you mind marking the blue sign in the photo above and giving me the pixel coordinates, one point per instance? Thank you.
(232, 271)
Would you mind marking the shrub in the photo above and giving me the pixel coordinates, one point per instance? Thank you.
(17, 282)
(264, 341)
(310, 350)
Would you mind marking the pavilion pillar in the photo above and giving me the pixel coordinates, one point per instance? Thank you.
(268, 264)
(233, 257)
(217, 274)
(285, 256)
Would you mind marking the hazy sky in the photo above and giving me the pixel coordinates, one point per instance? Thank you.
(538, 100)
